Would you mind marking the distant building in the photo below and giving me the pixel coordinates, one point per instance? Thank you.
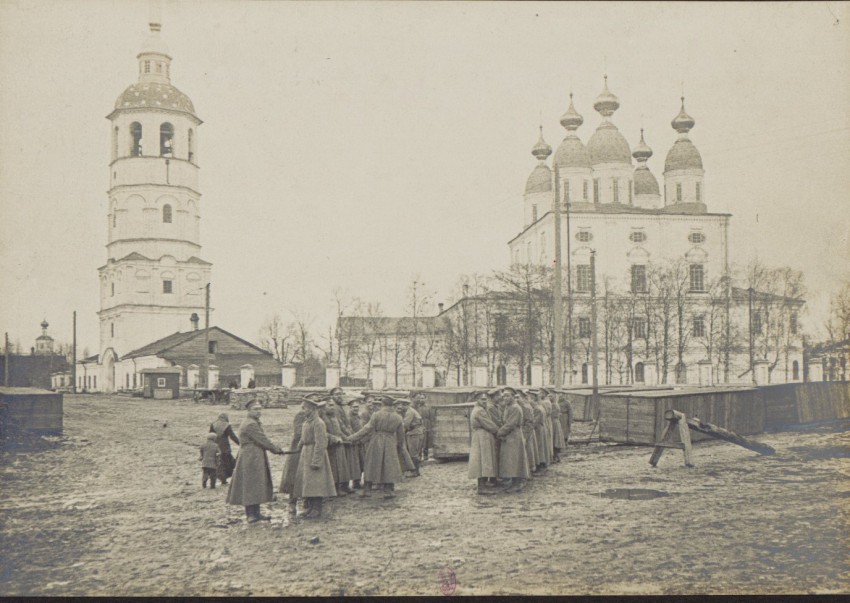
(36, 368)
(668, 311)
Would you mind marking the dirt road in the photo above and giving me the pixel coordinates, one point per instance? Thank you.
(115, 507)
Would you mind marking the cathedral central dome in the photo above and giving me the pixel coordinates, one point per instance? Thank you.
(607, 145)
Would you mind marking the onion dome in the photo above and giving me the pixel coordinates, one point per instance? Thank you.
(541, 150)
(644, 181)
(642, 151)
(571, 152)
(44, 324)
(683, 122)
(606, 103)
(683, 155)
(540, 180)
(607, 145)
(154, 96)
(571, 120)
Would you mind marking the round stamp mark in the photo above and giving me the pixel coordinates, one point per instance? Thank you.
(447, 581)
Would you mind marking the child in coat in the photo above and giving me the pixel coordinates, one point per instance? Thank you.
(209, 460)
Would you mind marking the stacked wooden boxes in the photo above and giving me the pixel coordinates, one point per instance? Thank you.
(30, 409)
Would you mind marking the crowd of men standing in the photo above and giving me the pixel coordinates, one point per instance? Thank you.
(337, 448)
(368, 443)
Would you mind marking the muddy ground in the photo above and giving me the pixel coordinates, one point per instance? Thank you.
(115, 507)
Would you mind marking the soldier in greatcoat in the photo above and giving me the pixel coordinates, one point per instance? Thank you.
(313, 478)
(427, 422)
(357, 449)
(290, 467)
(513, 463)
(494, 409)
(414, 433)
(252, 479)
(566, 418)
(336, 449)
(539, 430)
(558, 443)
(483, 457)
(386, 447)
(354, 466)
(527, 430)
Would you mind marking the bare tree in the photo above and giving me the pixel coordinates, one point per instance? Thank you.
(273, 336)
(838, 323)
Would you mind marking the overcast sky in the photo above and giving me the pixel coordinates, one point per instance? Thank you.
(358, 145)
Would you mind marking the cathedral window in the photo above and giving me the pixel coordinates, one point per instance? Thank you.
(112, 289)
(630, 192)
(795, 368)
(696, 237)
(158, 67)
(583, 278)
(213, 347)
(115, 143)
(166, 139)
(534, 213)
(639, 328)
(166, 213)
(793, 325)
(112, 329)
(757, 322)
(584, 190)
(616, 184)
(566, 190)
(136, 139)
(584, 236)
(637, 236)
(147, 66)
(584, 327)
(699, 326)
(679, 192)
(639, 373)
(596, 190)
(166, 286)
(638, 278)
(697, 278)
(699, 192)
(191, 144)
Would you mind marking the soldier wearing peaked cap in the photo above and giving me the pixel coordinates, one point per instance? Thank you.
(313, 478)
(483, 455)
(252, 480)
(386, 447)
(414, 433)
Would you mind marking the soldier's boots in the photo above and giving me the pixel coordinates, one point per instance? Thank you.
(388, 490)
(315, 508)
(366, 491)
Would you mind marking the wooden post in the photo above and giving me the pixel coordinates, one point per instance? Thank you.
(557, 286)
(6, 363)
(74, 356)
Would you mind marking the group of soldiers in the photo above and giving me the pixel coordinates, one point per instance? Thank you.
(369, 443)
(516, 434)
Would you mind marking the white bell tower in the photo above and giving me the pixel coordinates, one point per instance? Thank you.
(153, 280)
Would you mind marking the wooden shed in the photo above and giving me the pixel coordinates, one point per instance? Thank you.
(161, 383)
(581, 398)
(637, 416)
(30, 409)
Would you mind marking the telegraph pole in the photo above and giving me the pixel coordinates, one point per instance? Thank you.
(74, 356)
(558, 299)
(206, 377)
(6, 364)
(594, 342)
(569, 302)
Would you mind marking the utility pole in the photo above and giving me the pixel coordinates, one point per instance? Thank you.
(569, 302)
(74, 356)
(415, 333)
(6, 363)
(594, 342)
(206, 377)
(752, 359)
(558, 299)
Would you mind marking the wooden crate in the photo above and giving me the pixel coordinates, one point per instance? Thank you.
(452, 431)
(31, 409)
(795, 403)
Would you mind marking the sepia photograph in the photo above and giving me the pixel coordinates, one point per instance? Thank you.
(404, 298)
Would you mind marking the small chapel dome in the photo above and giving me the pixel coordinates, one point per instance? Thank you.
(683, 122)
(645, 182)
(606, 103)
(540, 180)
(541, 150)
(683, 156)
(571, 120)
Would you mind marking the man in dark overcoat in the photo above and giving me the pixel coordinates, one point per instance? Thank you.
(252, 478)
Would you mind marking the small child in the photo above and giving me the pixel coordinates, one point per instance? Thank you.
(209, 460)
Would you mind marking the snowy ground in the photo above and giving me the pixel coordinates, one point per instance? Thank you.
(115, 507)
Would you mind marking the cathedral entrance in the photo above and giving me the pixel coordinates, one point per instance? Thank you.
(108, 374)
